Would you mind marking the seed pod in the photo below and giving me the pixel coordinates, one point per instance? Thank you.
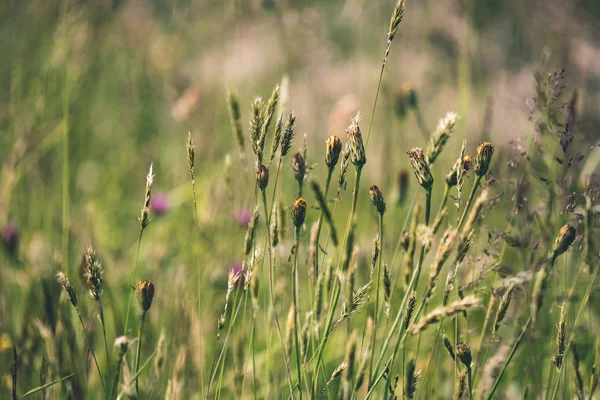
(483, 158)
(298, 212)
(262, 177)
(421, 168)
(299, 167)
(145, 294)
(355, 144)
(377, 199)
(565, 239)
(334, 148)
(463, 352)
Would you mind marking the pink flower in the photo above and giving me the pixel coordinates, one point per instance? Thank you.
(242, 216)
(159, 204)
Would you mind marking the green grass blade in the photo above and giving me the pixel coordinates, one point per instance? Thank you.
(46, 386)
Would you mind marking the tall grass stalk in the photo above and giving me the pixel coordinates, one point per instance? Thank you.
(295, 300)
(139, 347)
(106, 394)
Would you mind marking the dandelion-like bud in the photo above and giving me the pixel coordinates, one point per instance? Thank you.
(334, 148)
(463, 352)
(377, 199)
(145, 294)
(355, 143)
(421, 168)
(68, 287)
(564, 240)
(93, 274)
(145, 214)
(483, 158)
(262, 177)
(298, 212)
(299, 167)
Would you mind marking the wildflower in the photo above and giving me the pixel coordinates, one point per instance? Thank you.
(242, 216)
(355, 143)
(10, 237)
(421, 168)
(377, 199)
(334, 148)
(159, 204)
(298, 212)
(463, 352)
(145, 293)
(483, 158)
(299, 167)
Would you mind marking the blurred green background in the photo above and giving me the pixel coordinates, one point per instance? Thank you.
(126, 81)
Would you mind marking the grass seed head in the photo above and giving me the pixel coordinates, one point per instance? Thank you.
(235, 115)
(503, 306)
(93, 274)
(68, 287)
(289, 131)
(410, 309)
(145, 213)
(440, 136)
(251, 233)
(191, 154)
(463, 352)
(448, 345)
(561, 339)
(397, 16)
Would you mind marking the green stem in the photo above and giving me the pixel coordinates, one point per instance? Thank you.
(105, 341)
(296, 310)
(272, 292)
(476, 184)
(137, 257)
(139, 348)
(320, 224)
(379, 262)
(92, 351)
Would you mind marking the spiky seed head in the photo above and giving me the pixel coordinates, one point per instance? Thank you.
(397, 16)
(235, 115)
(410, 309)
(250, 233)
(274, 229)
(421, 168)
(256, 123)
(288, 133)
(440, 136)
(564, 240)
(448, 345)
(377, 199)
(334, 148)
(276, 137)
(93, 274)
(350, 359)
(289, 331)
(145, 214)
(68, 287)
(299, 167)
(262, 177)
(356, 146)
(298, 212)
(539, 287)
(503, 306)
(561, 336)
(145, 294)
(467, 162)
(387, 288)
(411, 379)
(191, 154)
(463, 352)
(483, 158)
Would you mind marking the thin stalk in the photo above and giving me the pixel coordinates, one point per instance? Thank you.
(412, 284)
(105, 341)
(66, 159)
(336, 292)
(272, 291)
(137, 257)
(139, 347)
(320, 224)
(379, 262)
(92, 351)
(297, 311)
(476, 184)
(199, 280)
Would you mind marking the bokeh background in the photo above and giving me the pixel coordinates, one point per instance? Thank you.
(126, 81)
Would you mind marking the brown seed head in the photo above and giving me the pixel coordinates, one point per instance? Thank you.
(298, 212)
(565, 239)
(483, 158)
(377, 199)
(334, 148)
(191, 154)
(463, 352)
(421, 168)
(145, 294)
(299, 167)
(93, 274)
(355, 143)
(262, 177)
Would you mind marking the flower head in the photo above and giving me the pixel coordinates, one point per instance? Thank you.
(159, 204)
(298, 212)
(421, 168)
(334, 148)
(483, 158)
(145, 294)
(355, 143)
(377, 199)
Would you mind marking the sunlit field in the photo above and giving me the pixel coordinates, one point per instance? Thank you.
(275, 199)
